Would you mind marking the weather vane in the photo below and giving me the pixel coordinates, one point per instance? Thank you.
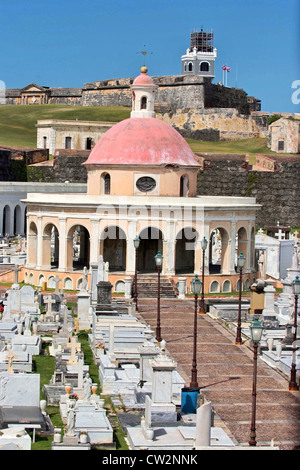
(144, 53)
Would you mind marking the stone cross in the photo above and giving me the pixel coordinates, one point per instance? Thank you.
(49, 302)
(73, 359)
(16, 269)
(280, 235)
(57, 280)
(10, 357)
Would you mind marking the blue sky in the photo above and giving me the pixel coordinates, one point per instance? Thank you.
(66, 43)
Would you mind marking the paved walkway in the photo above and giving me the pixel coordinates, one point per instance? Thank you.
(225, 374)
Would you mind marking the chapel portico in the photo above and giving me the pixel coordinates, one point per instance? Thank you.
(142, 181)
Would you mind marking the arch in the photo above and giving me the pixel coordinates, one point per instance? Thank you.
(119, 286)
(190, 66)
(25, 277)
(226, 286)
(41, 280)
(50, 250)
(6, 220)
(18, 229)
(151, 242)
(68, 283)
(204, 67)
(214, 287)
(241, 244)
(184, 186)
(218, 250)
(185, 250)
(237, 288)
(31, 278)
(78, 283)
(144, 102)
(78, 247)
(105, 183)
(247, 284)
(114, 248)
(50, 282)
(32, 244)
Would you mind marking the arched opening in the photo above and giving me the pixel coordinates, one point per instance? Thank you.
(144, 102)
(105, 183)
(214, 287)
(204, 67)
(50, 253)
(6, 221)
(17, 220)
(185, 251)
(32, 244)
(114, 248)
(226, 286)
(190, 67)
(78, 248)
(151, 242)
(241, 244)
(68, 283)
(184, 186)
(218, 251)
(41, 280)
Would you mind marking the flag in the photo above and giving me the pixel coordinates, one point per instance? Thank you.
(228, 69)
(224, 67)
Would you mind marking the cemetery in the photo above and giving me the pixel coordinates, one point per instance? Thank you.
(130, 383)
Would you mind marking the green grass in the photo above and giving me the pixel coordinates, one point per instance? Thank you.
(18, 123)
(243, 146)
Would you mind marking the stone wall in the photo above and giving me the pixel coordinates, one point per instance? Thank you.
(65, 166)
(213, 124)
(15, 160)
(275, 187)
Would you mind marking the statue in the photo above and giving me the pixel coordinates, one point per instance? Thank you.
(262, 265)
(87, 386)
(71, 420)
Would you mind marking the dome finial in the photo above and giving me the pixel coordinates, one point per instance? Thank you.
(144, 69)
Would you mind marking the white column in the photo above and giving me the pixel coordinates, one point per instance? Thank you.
(39, 242)
(232, 248)
(130, 250)
(94, 249)
(62, 244)
(169, 250)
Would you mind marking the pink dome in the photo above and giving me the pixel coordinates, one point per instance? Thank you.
(143, 79)
(142, 141)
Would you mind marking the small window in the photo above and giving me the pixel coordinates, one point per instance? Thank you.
(144, 102)
(89, 143)
(204, 67)
(107, 184)
(190, 67)
(68, 143)
(281, 145)
(44, 142)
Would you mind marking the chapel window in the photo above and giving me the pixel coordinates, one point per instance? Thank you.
(281, 145)
(190, 67)
(204, 67)
(144, 102)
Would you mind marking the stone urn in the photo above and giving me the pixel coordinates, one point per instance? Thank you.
(94, 388)
(68, 389)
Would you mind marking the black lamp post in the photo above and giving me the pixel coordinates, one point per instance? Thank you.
(296, 291)
(136, 243)
(158, 261)
(196, 288)
(204, 243)
(256, 329)
(241, 263)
